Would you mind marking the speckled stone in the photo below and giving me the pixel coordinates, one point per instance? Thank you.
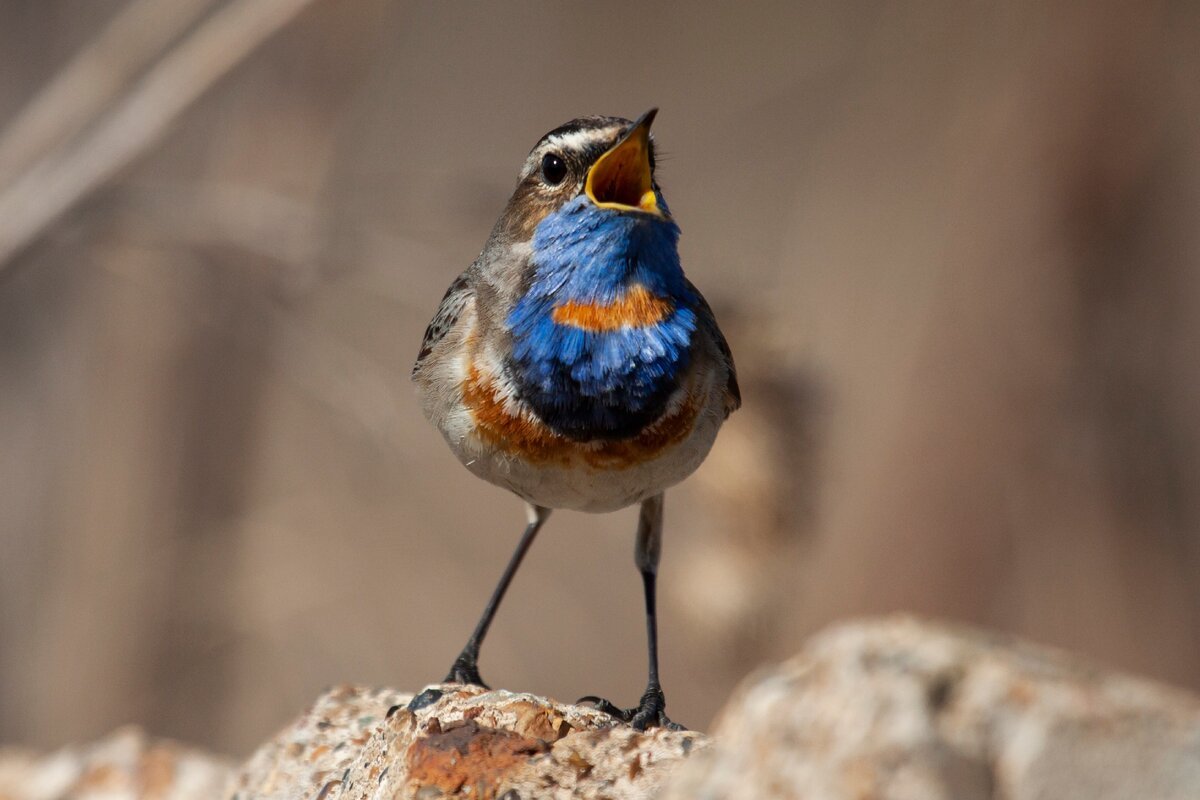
(880, 710)
(468, 743)
(904, 710)
(125, 765)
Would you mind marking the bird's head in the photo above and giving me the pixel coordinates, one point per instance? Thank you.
(602, 162)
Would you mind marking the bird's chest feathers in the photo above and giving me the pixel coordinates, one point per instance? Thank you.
(605, 330)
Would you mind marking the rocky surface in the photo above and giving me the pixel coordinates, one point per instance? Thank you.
(468, 743)
(903, 710)
(124, 765)
(884, 710)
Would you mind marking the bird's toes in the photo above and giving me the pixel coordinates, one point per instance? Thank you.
(465, 671)
(424, 699)
(652, 713)
(649, 713)
(650, 718)
(607, 707)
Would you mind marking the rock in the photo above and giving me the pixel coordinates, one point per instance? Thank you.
(883, 710)
(901, 710)
(469, 742)
(125, 764)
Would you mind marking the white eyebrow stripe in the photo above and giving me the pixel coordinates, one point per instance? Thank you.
(579, 140)
(571, 142)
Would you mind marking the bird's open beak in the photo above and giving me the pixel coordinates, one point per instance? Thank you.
(621, 177)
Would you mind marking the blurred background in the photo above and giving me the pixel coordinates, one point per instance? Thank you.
(954, 247)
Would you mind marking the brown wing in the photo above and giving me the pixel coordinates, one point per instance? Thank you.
(453, 302)
(733, 393)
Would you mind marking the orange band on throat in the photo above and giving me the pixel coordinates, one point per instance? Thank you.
(637, 309)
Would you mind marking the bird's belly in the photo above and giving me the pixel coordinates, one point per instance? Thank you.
(554, 471)
(594, 479)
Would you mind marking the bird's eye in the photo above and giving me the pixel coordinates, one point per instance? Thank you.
(554, 169)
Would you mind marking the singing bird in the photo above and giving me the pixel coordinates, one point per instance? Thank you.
(573, 363)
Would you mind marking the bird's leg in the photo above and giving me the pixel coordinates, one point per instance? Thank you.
(651, 711)
(466, 666)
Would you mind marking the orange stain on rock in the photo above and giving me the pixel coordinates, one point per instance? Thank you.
(468, 758)
(521, 435)
(637, 309)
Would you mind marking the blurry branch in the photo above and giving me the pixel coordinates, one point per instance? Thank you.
(257, 221)
(79, 92)
(59, 180)
(291, 233)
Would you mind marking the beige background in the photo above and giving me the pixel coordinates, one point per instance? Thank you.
(954, 247)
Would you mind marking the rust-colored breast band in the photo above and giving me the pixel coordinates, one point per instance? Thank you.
(529, 439)
(637, 309)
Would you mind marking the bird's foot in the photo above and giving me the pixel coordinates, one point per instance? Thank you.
(651, 712)
(465, 670)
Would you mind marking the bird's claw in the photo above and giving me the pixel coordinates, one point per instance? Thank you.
(600, 704)
(651, 712)
(465, 670)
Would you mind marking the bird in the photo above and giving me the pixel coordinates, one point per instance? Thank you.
(574, 364)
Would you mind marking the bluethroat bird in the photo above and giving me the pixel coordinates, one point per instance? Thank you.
(573, 363)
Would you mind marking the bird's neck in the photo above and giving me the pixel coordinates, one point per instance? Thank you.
(588, 253)
(605, 327)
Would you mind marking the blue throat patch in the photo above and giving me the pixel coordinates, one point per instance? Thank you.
(601, 383)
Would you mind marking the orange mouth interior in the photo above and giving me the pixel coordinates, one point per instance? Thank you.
(621, 178)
